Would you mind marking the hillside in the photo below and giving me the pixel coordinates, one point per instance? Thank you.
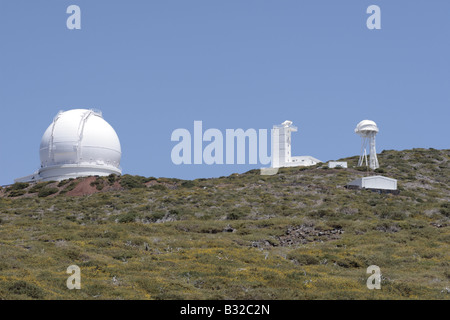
(299, 234)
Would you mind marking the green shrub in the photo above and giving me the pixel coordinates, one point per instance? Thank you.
(98, 184)
(25, 288)
(160, 187)
(394, 215)
(322, 213)
(349, 262)
(112, 178)
(128, 217)
(131, 182)
(123, 256)
(154, 216)
(17, 193)
(18, 186)
(445, 212)
(188, 184)
(237, 213)
(445, 209)
(71, 218)
(71, 186)
(37, 187)
(45, 192)
(303, 259)
(63, 183)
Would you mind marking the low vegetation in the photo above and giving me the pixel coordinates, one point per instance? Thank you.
(299, 234)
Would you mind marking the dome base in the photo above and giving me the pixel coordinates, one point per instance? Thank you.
(67, 171)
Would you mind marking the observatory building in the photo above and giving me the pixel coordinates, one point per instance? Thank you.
(281, 148)
(367, 130)
(337, 164)
(78, 143)
(374, 183)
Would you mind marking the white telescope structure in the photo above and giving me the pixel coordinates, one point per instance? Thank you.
(78, 143)
(367, 130)
(281, 148)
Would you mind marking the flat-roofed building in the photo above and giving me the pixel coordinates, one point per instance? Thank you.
(374, 182)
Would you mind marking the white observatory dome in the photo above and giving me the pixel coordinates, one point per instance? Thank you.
(80, 136)
(366, 127)
(78, 143)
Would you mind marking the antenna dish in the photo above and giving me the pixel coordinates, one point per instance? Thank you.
(367, 130)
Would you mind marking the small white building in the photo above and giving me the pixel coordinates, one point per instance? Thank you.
(374, 182)
(303, 161)
(337, 164)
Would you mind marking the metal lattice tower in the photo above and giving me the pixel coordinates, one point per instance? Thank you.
(367, 130)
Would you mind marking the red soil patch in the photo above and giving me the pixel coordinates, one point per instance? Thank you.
(84, 187)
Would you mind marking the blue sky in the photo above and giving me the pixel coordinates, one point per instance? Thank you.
(155, 66)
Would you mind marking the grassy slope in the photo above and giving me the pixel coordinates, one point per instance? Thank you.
(296, 235)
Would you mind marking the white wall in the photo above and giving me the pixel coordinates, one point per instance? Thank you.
(375, 182)
(334, 164)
